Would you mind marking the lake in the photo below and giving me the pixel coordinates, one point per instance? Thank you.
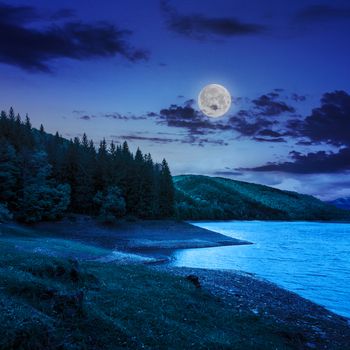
(311, 259)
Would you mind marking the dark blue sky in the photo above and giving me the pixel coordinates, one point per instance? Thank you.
(133, 70)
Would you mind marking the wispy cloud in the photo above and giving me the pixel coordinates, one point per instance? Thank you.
(270, 105)
(112, 116)
(328, 124)
(34, 49)
(153, 139)
(201, 27)
(311, 163)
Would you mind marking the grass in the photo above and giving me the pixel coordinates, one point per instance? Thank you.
(57, 303)
(28, 239)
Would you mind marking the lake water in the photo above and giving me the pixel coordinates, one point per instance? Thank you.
(311, 259)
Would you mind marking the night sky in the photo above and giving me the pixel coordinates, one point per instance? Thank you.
(132, 70)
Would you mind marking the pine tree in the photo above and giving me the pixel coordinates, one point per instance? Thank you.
(28, 124)
(5, 214)
(11, 115)
(40, 199)
(27, 135)
(135, 200)
(112, 205)
(40, 173)
(124, 170)
(9, 174)
(149, 187)
(166, 191)
(84, 189)
(101, 172)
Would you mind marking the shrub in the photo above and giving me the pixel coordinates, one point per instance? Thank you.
(112, 205)
(5, 214)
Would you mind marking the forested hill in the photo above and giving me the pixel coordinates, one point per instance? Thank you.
(214, 198)
(342, 203)
(43, 176)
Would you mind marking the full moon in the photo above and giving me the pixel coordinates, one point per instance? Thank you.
(214, 100)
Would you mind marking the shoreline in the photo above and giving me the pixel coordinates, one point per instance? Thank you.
(256, 220)
(138, 235)
(249, 293)
(154, 249)
(310, 323)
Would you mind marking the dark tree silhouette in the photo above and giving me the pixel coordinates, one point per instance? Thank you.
(43, 175)
(166, 191)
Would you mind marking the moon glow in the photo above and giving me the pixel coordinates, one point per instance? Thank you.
(214, 100)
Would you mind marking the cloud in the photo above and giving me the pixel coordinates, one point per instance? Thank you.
(191, 140)
(78, 111)
(14, 14)
(311, 163)
(201, 142)
(268, 105)
(114, 116)
(86, 117)
(118, 116)
(274, 139)
(322, 12)
(200, 27)
(328, 123)
(304, 143)
(269, 133)
(298, 98)
(190, 102)
(34, 48)
(244, 127)
(257, 121)
(187, 117)
(63, 14)
(153, 139)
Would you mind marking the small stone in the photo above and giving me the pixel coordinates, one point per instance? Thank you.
(74, 275)
(255, 311)
(194, 279)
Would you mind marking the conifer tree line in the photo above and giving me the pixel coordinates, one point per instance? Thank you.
(43, 176)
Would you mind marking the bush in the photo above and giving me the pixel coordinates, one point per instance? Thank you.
(5, 214)
(112, 205)
(42, 202)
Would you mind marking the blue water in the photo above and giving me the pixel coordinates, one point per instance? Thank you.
(311, 259)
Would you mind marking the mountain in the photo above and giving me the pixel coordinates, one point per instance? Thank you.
(214, 198)
(342, 203)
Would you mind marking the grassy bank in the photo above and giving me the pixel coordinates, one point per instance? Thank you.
(56, 303)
